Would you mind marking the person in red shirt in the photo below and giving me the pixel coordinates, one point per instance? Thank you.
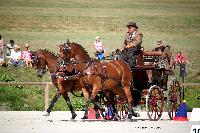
(180, 59)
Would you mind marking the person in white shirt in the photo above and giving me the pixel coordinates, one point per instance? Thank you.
(16, 57)
(10, 47)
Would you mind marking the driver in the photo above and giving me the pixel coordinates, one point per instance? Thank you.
(132, 44)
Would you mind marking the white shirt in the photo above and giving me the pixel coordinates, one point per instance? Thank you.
(15, 55)
(98, 45)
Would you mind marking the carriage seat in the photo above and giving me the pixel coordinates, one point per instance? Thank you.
(147, 59)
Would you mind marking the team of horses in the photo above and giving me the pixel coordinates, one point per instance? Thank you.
(74, 70)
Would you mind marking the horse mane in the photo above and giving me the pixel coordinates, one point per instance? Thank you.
(48, 51)
(80, 46)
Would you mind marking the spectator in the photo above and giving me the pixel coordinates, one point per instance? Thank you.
(2, 61)
(26, 56)
(10, 47)
(180, 59)
(1, 45)
(16, 59)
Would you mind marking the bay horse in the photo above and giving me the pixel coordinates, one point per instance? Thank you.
(41, 60)
(98, 76)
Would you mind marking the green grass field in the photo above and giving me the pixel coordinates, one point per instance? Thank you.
(48, 23)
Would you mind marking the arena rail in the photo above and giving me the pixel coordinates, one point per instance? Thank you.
(46, 84)
(190, 84)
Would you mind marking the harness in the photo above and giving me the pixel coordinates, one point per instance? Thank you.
(91, 68)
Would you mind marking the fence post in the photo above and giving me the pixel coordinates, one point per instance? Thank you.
(46, 100)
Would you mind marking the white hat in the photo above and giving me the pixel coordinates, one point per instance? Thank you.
(27, 45)
(97, 37)
(16, 46)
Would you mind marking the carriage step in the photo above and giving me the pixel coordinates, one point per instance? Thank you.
(147, 66)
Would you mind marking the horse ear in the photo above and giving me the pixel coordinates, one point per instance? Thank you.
(68, 42)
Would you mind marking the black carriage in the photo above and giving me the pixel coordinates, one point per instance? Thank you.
(155, 94)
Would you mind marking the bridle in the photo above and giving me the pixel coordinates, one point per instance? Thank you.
(66, 48)
(40, 68)
(62, 67)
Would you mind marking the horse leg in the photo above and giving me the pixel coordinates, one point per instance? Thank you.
(55, 98)
(67, 100)
(86, 95)
(95, 91)
(130, 102)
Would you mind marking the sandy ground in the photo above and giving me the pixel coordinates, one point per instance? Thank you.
(34, 121)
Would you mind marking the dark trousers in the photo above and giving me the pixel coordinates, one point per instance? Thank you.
(130, 55)
(182, 70)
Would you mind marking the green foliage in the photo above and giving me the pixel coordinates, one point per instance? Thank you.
(78, 103)
(192, 97)
(6, 78)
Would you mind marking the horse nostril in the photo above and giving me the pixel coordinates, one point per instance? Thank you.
(40, 76)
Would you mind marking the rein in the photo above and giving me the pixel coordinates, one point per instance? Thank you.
(77, 74)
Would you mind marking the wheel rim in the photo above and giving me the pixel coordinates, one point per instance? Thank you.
(174, 98)
(155, 103)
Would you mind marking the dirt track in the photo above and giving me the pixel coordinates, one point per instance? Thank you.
(34, 121)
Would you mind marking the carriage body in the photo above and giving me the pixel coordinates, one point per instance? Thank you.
(159, 92)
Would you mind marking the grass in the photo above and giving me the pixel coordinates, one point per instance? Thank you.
(47, 23)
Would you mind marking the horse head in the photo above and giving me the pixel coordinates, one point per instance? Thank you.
(65, 51)
(40, 63)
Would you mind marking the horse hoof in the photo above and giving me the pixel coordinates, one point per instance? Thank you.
(136, 114)
(84, 117)
(74, 116)
(129, 116)
(115, 119)
(47, 114)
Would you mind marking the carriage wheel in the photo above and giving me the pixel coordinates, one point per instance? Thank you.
(174, 98)
(154, 103)
(122, 108)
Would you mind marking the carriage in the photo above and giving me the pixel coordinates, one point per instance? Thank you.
(155, 95)
(158, 94)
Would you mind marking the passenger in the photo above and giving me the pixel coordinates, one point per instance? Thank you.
(98, 46)
(159, 46)
(117, 55)
(168, 58)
